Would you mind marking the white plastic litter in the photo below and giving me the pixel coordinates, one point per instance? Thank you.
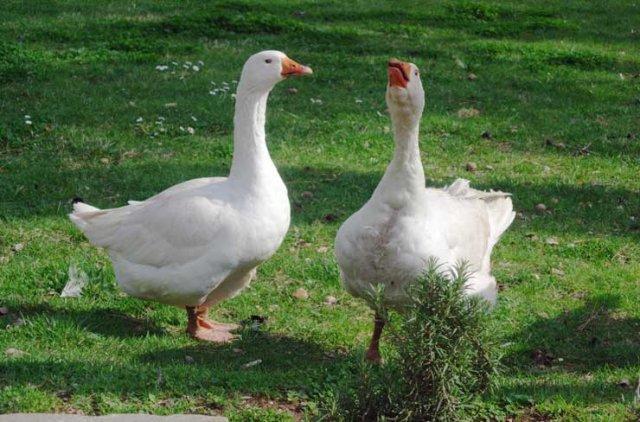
(77, 281)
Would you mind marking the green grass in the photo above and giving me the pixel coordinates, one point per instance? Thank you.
(85, 71)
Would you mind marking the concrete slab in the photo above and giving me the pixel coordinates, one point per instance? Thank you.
(131, 417)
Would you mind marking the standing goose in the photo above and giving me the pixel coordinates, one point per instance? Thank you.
(199, 242)
(392, 237)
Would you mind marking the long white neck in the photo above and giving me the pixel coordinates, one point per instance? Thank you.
(251, 162)
(404, 177)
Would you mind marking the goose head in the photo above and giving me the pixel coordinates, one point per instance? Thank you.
(265, 69)
(405, 95)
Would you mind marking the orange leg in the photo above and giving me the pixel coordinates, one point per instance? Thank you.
(200, 330)
(373, 353)
(202, 313)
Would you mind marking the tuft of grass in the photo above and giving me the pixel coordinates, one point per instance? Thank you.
(442, 357)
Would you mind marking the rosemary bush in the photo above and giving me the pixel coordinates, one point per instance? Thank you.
(440, 360)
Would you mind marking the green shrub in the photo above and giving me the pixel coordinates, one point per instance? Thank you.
(440, 360)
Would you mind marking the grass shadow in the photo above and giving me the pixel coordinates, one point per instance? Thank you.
(591, 336)
(259, 363)
(110, 322)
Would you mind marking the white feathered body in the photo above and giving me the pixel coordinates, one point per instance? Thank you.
(196, 243)
(390, 240)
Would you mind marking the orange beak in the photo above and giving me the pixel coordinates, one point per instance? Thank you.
(292, 68)
(398, 73)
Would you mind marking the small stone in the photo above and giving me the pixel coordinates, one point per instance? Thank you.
(472, 76)
(471, 167)
(17, 247)
(557, 272)
(306, 194)
(322, 249)
(540, 208)
(292, 90)
(104, 160)
(490, 168)
(486, 135)
(301, 294)
(330, 300)
(238, 351)
(188, 359)
(4, 310)
(13, 352)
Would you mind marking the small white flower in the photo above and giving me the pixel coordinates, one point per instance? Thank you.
(186, 66)
(194, 118)
(195, 68)
(181, 129)
(162, 67)
(316, 101)
(174, 63)
(234, 81)
(28, 122)
(213, 92)
(200, 63)
(358, 101)
(27, 117)
(160, 118)
(213, 83)
(191, 130)
(139, 120)
(233, 96)
(225, 83)
(188, 63)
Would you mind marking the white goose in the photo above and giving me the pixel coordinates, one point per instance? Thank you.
(200, 241)
(391, 238)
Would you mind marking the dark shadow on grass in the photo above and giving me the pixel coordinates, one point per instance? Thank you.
(261, 363)
(587, 338)
(337, 194)
(109, 322)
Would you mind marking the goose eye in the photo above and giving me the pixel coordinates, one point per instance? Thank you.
(268, 61)
(415, 73)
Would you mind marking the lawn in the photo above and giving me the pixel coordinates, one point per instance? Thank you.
(84, 111)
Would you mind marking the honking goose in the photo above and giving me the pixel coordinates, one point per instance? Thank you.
(392, 237)
(200, 241)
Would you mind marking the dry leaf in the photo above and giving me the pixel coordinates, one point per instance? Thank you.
(13, 352)
(552, 241)
(465, 113)
(252, 363)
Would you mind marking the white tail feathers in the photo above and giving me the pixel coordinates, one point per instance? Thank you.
(499, 207)
(80, 207)
(81, 213)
